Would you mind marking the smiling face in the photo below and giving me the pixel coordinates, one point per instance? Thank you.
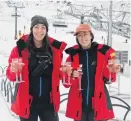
(39, 32)
(84, 39)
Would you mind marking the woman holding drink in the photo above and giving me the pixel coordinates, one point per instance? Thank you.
(88, 98)
(34, 64)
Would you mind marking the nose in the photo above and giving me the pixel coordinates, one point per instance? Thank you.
(82, 38)
(40, 30)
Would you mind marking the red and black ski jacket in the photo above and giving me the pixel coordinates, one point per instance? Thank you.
(22, 100)
(100, 100)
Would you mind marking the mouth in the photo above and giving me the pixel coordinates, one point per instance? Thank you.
(39, 35)
(83, 41)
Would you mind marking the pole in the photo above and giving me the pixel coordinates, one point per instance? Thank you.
(82, 19)
(16, 18)
(14, 5)
(110, 25)
(15, 23)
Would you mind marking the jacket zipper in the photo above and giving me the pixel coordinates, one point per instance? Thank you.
(40, 92)
(87, 77)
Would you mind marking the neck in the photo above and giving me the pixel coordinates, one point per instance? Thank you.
(38, 44)
(87, 47)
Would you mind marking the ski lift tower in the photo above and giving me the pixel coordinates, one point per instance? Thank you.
(15, 5)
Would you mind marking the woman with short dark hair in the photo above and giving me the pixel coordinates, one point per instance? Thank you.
(88, 98)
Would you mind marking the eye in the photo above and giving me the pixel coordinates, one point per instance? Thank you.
(36, 27)
(79, 35)
(43, 27)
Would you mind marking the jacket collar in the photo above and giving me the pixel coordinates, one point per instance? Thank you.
(22, 43)
(76, 49)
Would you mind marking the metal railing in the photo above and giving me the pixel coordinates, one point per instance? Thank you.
(6, 88)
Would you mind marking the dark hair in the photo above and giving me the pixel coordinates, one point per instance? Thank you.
(92, 38)
(45, 45)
